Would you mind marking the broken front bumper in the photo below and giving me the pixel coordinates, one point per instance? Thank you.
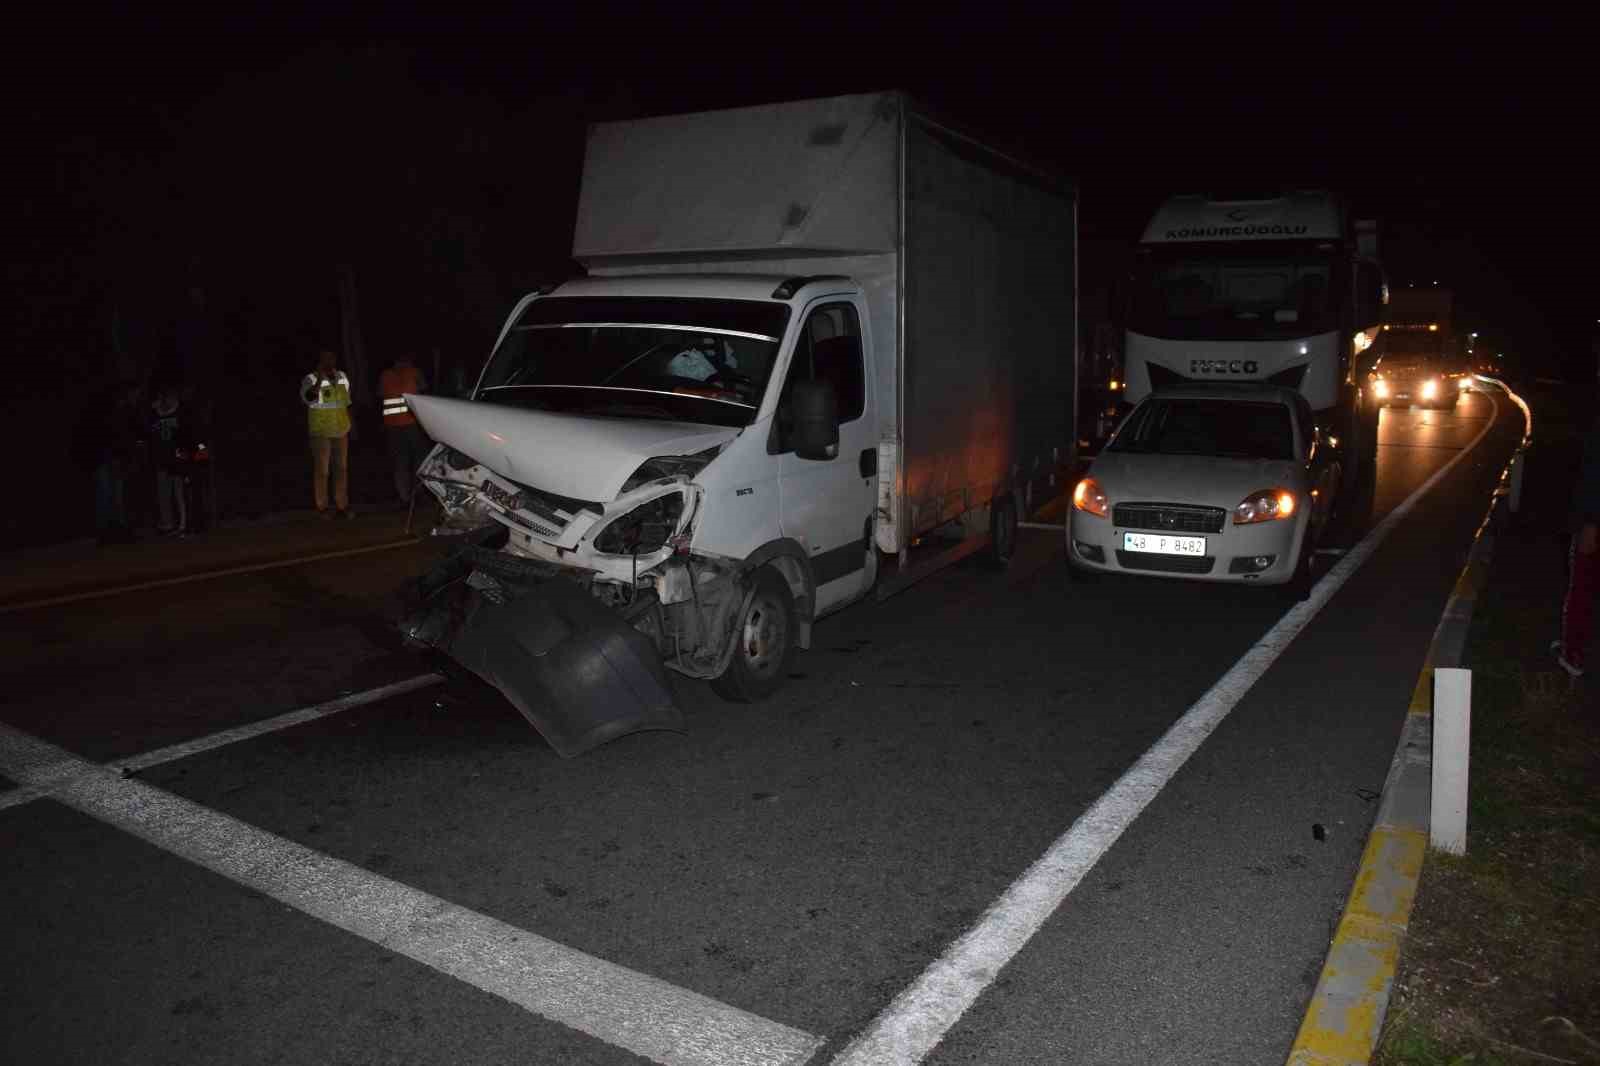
(575, 668)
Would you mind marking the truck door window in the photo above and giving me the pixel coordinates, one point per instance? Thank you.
(828, 349)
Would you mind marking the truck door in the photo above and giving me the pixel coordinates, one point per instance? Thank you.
(827, 504)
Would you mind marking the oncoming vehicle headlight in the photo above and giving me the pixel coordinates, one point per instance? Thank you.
(1264, 506)
(644, 529)
(1380, 389)
(1090, 498)
(1430, 389)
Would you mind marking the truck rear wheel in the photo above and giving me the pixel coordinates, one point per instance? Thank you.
(765, 637)
(1002, 531)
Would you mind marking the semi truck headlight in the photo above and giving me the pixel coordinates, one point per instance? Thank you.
(644, 529)
(1264, 506)
(1090, 498)
(1430, 389)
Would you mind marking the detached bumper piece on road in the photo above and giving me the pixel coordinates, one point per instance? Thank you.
(575, 669)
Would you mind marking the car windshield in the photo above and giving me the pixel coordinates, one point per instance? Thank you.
(691, 360)
(1231, 293)
(1232, 429)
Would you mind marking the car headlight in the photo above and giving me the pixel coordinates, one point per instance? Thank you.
(1380, 389)
(1430, 389)
(645, 529)
(1264, 506)
(1464, 383)
(1090, 498)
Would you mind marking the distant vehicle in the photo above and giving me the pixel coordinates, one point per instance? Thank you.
(1421, 357)
(1210, 483)
(1283, 291)
(813, 335)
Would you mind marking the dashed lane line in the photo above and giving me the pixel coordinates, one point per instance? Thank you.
(622, 1007)
(28, 793)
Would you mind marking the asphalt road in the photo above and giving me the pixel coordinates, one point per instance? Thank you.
(759, 889)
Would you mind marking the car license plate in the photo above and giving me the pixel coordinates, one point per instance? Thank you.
(1161, 544)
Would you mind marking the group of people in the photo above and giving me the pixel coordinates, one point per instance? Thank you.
(327, 398)
(138, 443)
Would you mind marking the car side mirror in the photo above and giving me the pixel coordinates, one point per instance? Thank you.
(815, 428)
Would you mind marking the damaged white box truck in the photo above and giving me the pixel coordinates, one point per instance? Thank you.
(813, 337)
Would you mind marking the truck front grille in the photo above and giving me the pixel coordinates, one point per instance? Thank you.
(1169, 517)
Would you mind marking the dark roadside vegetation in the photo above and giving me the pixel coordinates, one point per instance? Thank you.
(1501, 964)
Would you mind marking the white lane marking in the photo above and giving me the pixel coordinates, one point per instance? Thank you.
(914, 1023)
(622, 1007)
(272, 725)
(205, 575)
(28, 793)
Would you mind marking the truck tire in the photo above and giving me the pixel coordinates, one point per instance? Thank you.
(766, 638)
(1002, 532)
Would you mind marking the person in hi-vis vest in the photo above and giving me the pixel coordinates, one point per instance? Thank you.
(408, 446)
(326, 394)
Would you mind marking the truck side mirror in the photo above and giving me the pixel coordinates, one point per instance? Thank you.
(815, 428)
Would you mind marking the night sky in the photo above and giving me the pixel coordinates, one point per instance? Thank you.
(251, 155)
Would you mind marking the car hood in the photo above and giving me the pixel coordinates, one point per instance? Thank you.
(1194, 479)
(570, 455)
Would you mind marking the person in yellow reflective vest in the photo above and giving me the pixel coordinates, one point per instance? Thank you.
(326, 394)
(408, 446)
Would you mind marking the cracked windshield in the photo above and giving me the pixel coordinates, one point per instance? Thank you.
(682, 359)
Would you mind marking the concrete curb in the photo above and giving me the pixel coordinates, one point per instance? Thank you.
(1345, 1017)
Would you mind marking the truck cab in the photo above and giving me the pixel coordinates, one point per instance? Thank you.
(1281, 291)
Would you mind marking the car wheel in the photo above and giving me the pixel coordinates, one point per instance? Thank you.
(765, 637)
(1002, 531)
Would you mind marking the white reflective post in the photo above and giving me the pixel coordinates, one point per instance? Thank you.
(1452, 739)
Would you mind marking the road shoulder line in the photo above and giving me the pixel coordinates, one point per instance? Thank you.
(1345, 1016)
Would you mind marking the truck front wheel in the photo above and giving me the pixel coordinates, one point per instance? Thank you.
(765, 636)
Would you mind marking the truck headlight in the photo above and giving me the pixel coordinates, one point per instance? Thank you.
(645, 529)
(1430, 389)
(1264, 506)
(667, 466)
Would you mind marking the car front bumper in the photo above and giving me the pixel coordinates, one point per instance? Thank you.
(1232, 555)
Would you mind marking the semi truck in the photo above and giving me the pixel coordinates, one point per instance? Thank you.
(1284, 290)
(821, 349)
(1421, 356)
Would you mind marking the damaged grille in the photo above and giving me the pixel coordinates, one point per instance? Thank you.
(1169, 517)
(553, 513)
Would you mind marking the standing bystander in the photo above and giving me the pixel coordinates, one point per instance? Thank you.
(407, 445)
(326, 394)
(169, 443)
(1577, 608)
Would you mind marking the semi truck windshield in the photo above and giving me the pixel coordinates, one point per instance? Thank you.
(1211, 293)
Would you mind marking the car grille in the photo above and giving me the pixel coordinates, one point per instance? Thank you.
(1169, 517)
(1171, 564)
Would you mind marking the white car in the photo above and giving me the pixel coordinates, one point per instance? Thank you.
(1210, 483)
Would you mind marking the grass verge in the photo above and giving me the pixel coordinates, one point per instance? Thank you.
(1501, 963)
